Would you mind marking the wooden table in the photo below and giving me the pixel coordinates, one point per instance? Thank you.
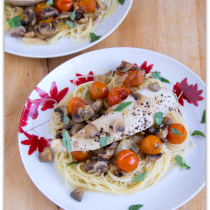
(173, 27)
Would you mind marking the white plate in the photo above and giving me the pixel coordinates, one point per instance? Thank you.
(173, 190)
(66, 46)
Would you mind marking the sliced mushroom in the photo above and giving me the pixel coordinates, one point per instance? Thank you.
(25, 22)
(78, 15)
(162, 133)
(153, 130)
(32, 16)
(154, 87)
(90, 130)
(137, 96)
(101, 167)
(68, 126)
(61, 110)
(109, 153)
(113, 145)
(97, 105)
(76, 128)
(167, 121)
(124, 66)
(119, 125)
(59, 134)
(63, 15)
(106, 104)
(137, 139)
(46, 28)
(45, 155)
(24, 2)
(119, 173)
(86, 112)
(18, 31)
(164, 140)
(100, 78)
(77, 118)
(49, 11)
(77, 194)
(101, 5)
(39, 35)
(83, 20)
(90, 165)
(29, 34)
(153, 157)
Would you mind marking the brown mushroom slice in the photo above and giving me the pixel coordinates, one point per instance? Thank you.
(61, 110)
(77, 118)
(101, 167)
(59, 134)
(46, 155)
(153, 157)
(113, 145)
(109, 153)
(118, 173)
(86, 112)
(162, 133)
(18, 31)
(24, 2)
(32, 16)
(63, 15)
(97, 105)
(90, 165)
(25, 22)
(39, 35)
(167, 121)
(29, 34)
(49, 11)
(137, 139)
(77, 194)
(90, 130)
(154, 87)
(76, 128)
(119, 125)
(101, 5)
(106, 104)
(124, 66)
(83, 20)
(100, 78)
(164, 140)
(69, 126)
(78, 15)
(46, 28)
(138, 97)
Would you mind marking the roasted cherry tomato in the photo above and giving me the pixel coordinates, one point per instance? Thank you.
(134, 78)
(80, 155)
(86, 5)
(174, 138)
(151, 145)
(118, 94)
(38, 9)
(64, 5)
(127, 161)
(74, 104)
(98, 90)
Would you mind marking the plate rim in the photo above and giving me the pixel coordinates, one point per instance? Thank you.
(104, 49)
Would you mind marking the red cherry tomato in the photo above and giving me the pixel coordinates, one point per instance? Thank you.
(174, 138)
(74, 104)
(64, 5)
(118, 94)
(80, 155)
(98, 90)
(151, 145)
(127, 161)
(86, 5)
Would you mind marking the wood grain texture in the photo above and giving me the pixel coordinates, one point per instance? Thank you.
(173, 27)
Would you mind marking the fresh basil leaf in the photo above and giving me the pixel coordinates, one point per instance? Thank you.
(176, 132)
(140, 177)
(67, 142)
(121, 1)
(103, 141)
(175, 97)
(122, 106)
(158, 118)
(94, 37)
(65, 119)
(72, 16)
(86, 94)
(204, 117)
(135, 207)
(157, 76)
(14, 22)
(198, 133)
(70, 24)
(49, 2)
(180, 162)
(73, 163)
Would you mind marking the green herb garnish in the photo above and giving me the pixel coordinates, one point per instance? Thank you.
(86, 94)
(72, 16)
(73, 163)
(135, 207)
(180, 162)
(204, 117)
(121, 1)
(65, 119)
(103, 141)
(94, 37)
(158, 118)
(70, 24)
(67, 142)
(140, 177)
(49, 2)
(176, 132)
(157, 76)
(198, 133)
(175, 97)
(14, 22)
(122, 106)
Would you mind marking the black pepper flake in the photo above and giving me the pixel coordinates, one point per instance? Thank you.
(161, 94)
(146, 103)
(141, 103)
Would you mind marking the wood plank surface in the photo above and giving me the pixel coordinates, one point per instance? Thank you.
(173, 27)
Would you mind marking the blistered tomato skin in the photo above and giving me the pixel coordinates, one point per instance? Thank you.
(98, 90)
(86, 5)
(174, 138)
(80, 155)
(118, 94)
(74, 104)
(127, 161)
(151, 145)
(64, 5)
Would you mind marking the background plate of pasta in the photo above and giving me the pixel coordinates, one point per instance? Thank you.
(49, 28)
(118, 128)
